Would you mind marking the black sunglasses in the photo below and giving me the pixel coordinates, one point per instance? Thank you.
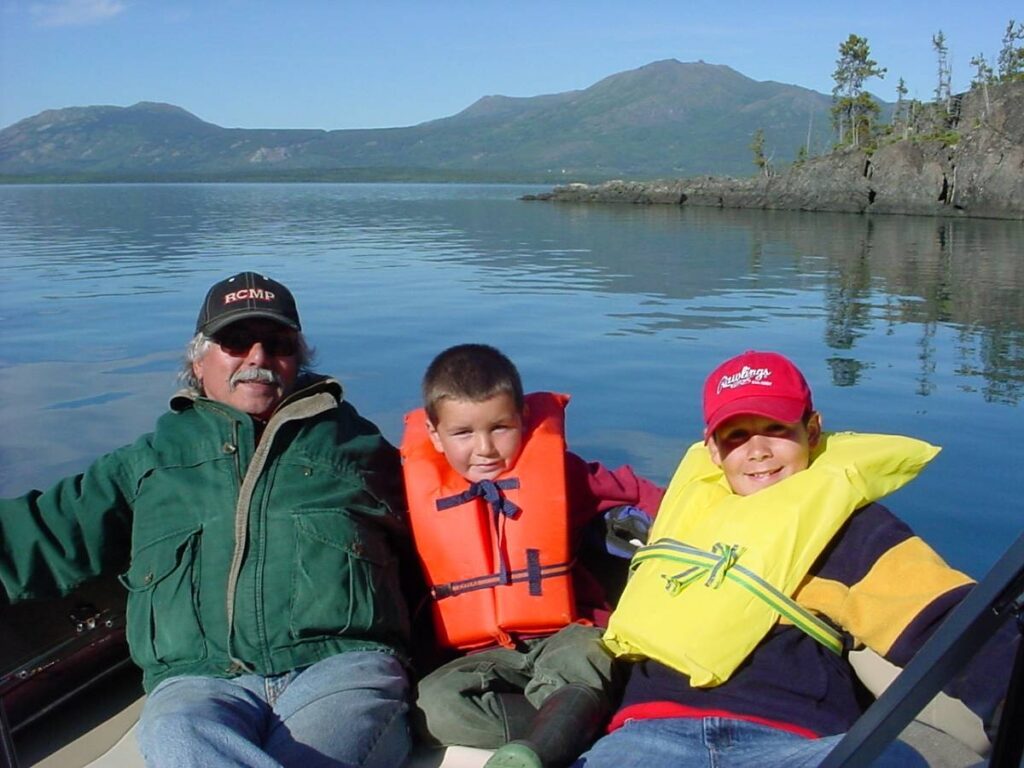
(238, 341)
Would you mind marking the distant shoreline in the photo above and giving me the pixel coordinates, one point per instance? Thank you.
(333, 176)
(974, 170)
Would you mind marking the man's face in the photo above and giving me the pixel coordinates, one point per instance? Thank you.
(756, 452)
(480, 440)
(251, 365)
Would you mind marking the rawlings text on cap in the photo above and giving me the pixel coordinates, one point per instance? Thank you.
(748, 375)
(761, 383)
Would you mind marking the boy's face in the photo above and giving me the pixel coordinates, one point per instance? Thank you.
(481, 440)
(756, 452)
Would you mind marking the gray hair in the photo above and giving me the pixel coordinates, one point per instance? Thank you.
(200, 344)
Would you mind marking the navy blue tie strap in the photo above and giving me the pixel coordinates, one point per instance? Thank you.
(490, 491)
(534, 573)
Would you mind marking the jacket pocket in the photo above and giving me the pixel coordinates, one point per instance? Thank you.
(163, 624)
(344, 580)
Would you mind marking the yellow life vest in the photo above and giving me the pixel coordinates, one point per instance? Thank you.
(720, 568)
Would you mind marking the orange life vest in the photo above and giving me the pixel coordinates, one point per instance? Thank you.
(496, 554)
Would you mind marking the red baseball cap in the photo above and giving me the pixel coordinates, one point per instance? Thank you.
(760, 383)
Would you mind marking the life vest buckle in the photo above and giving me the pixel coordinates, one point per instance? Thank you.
(727, 557)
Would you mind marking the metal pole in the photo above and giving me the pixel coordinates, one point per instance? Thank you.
(992, 601)
(1009, 743)
(8, 757)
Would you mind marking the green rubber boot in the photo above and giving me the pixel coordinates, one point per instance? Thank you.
(515, 754)
(564, 727)
(517, 713)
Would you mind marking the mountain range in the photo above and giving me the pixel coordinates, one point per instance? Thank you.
(667, 118)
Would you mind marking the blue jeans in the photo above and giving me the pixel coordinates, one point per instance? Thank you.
(348, 710)
(720, 743)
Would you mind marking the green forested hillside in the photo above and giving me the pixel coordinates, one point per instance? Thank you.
(664, 119)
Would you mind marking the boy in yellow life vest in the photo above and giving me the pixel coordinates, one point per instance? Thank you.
(498, 508)
(768, 560)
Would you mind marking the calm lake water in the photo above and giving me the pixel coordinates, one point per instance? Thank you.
(901, 324)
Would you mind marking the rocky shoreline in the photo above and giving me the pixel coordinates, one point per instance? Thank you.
(973, 166)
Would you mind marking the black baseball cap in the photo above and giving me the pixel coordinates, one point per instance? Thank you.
(246, 295)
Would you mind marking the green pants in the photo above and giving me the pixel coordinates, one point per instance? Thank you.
(461, 701)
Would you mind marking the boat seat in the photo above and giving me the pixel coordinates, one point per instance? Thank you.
(943, 714)
(125, 752)
(946, 732)
(939, 748)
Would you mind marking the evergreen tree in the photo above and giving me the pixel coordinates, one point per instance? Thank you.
(983, 75)
(942, 91)
(853, 109)
(901, 113)
(757, 146)
(1011, 55)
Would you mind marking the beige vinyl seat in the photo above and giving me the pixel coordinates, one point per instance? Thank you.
(947, 733)
(112, 745)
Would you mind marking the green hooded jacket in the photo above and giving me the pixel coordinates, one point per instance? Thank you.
(244, 557)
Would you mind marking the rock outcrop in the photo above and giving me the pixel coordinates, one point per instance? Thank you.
(972, 165)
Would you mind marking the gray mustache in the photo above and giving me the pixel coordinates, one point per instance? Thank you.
(261, 375)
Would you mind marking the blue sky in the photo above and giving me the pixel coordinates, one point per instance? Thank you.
(365, 64)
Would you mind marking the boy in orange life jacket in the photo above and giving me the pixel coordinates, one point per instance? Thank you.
(497, 509)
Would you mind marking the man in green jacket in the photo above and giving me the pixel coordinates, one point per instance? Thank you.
(260, 522)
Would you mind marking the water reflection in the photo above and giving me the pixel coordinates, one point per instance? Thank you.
(690, 269)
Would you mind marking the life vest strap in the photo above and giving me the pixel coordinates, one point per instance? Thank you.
(501, 508)
(534, 573)
(490, 491)
(721, 564)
